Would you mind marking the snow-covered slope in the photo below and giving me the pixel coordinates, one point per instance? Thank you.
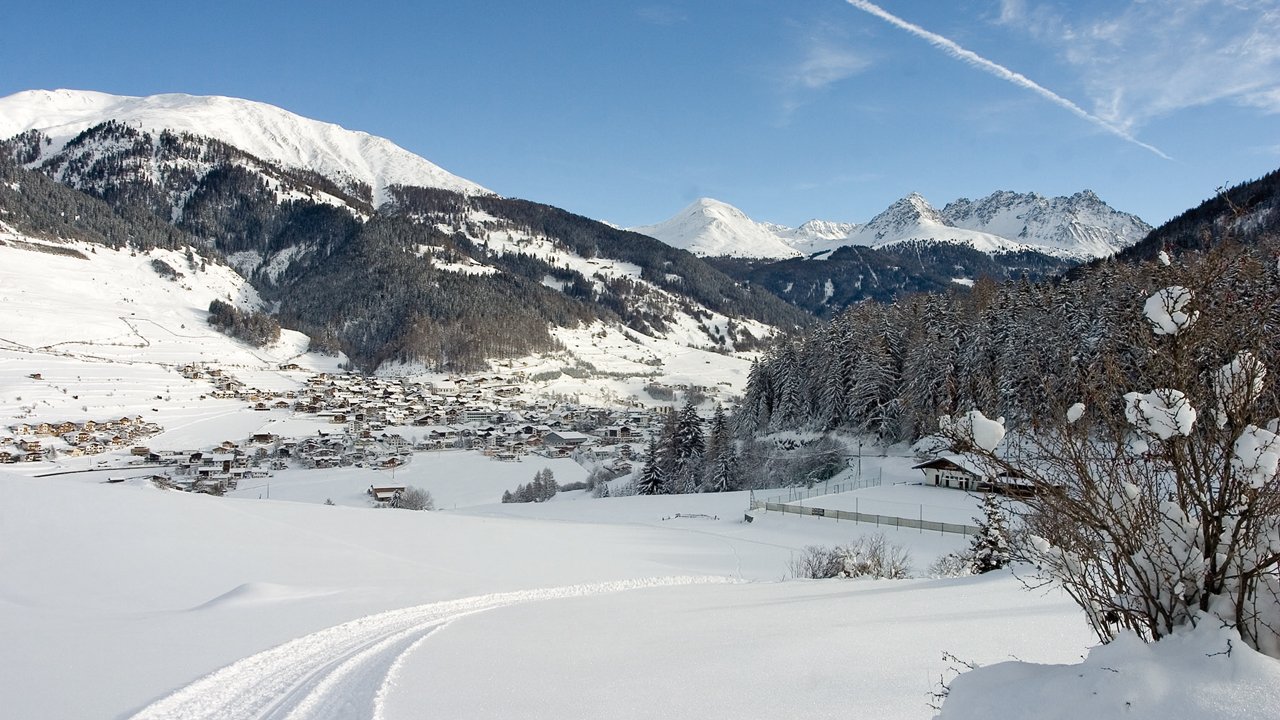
(78, 300)
(257, 128)
(710, 228)
(1079, 227)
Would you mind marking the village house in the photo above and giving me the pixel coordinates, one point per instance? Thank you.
(385, 492)
(565, 438)
(963, 472)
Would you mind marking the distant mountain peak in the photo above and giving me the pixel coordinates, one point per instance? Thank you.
(712, 228)
(265, 131)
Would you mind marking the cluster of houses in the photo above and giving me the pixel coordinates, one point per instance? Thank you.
(486, 413)
(33, 442)
(380, 423)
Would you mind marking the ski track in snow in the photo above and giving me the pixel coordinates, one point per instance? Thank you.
(347, 671)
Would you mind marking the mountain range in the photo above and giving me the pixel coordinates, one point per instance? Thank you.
(1076, 228)
(380, 254)
(362, 245)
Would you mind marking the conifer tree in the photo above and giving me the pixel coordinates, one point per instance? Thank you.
(990, 549)
(721, 461)
(687, 448)
(651, 480)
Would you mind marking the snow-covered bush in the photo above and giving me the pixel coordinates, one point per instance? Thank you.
(1160, 509)
(413, 498)
(869, 556)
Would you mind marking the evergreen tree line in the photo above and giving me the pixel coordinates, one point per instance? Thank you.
(254, 327)
(686, 458)
(41, 207)
(854, 273)
(542, 488)
(1022, 350)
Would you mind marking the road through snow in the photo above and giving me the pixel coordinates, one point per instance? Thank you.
(344, 671)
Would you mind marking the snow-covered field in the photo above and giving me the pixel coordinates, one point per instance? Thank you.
(130, 593)
(123, 600)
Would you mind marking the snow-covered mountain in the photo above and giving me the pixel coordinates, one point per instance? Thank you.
(265, 131)
(710, 228)
(1079, 227)
(913, 219)
(360, 244)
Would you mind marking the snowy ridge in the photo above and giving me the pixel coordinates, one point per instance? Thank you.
(1078, 227)
(263, 130)
(913, 219)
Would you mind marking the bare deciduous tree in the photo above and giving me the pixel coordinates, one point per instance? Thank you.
(1158, 506)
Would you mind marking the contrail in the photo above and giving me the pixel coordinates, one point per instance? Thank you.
(968, 56)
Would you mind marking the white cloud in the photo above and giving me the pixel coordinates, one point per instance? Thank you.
(1151, 58)
(824, 64)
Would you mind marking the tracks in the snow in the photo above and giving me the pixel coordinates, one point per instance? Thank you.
(342, 671)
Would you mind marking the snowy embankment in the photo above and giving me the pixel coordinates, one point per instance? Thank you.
(1205, 673)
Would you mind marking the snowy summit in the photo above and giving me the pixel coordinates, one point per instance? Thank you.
(710, 228)
(269, 132)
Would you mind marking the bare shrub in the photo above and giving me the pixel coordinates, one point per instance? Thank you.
(868, 556)
(413, 498)
(950, 565)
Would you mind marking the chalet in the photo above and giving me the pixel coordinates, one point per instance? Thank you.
(29, 445)
(952, 471)
(566, 438)
(263, 438)
(140, 451)
(963, 472)
(385, 492)
(6, 457)
(618, 433)
(290, 367)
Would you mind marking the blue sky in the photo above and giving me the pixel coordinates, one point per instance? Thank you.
(790, 110)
